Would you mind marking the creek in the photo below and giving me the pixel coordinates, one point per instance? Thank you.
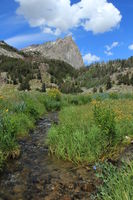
(36, 175)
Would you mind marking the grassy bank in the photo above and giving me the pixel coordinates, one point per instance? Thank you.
(18, 114)
(92, 132)
(97, 130)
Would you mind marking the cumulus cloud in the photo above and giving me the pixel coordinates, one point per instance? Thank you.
(110, 47)
(55, 17)
(89, 58)
(130, 47)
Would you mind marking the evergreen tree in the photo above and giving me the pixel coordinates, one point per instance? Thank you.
(131, 80)
(94, 90)
(43, 87)
(109, 84)
(24, 85)
(101, 90)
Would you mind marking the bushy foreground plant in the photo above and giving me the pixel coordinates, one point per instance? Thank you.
(54, 94)
(7, 133)
(76, 138)
(105, 118)
(53, 100)
(52, 105)
(8, 144)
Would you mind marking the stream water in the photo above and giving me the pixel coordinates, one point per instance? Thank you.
(38, 176)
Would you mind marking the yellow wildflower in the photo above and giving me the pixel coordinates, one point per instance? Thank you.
(1, 97)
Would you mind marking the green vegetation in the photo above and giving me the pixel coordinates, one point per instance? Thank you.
(101, 131)
(91, 129)
(53, 102)
(99, 74)
(64, 75)
(18, 70)
(117, 183)
(18, 113)
(21, 72)
(94, 129)
(10, 48)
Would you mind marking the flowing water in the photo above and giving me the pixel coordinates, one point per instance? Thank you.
(38, 176)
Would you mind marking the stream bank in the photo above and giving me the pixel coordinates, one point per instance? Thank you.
(38, 176)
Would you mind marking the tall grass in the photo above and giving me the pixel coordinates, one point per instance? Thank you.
(117, 183)
(18, 113)
(76, 138)
(87, 133)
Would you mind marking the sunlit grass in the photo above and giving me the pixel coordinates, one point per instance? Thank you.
(78, 138)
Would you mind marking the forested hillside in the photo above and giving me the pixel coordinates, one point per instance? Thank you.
(116, 71)
(21, 71)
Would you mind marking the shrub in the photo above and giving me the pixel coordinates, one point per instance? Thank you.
(52, 105)
(105, 119)
(24, 85)
(74, 101)
(78, 99)
(54, 94)
(22, 123)
(7, 134)
(101, 90)
(94, 90)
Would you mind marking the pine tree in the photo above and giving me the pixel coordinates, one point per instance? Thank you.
(24, 85)
(109, 84)
(43, 87)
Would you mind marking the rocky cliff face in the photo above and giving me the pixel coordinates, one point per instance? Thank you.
(62, 49)
(9, 51)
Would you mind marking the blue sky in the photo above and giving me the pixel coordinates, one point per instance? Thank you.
(102, 29)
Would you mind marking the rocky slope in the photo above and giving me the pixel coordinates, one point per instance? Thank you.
(62, 49)
(9, 51)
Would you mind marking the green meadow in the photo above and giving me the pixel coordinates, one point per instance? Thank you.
(92, 129)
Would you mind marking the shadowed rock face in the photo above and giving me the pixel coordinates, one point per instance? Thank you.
(9, 51)
(62, 49)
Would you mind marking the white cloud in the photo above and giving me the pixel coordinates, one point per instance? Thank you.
(60, 16)
(89, 58)
(110, 47)
(113, 45)
(108, 53)
(130, 47)
(24, 40)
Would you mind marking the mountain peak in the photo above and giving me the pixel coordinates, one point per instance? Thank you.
(61, 49)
